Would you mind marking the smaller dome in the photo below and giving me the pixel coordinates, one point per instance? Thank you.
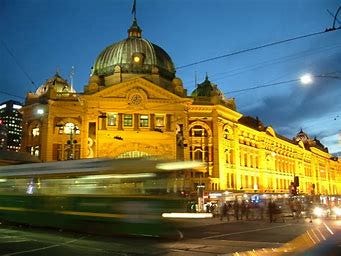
(94, 79)
(177, 82)
(302, 136)
(207, 89)
(59, 84)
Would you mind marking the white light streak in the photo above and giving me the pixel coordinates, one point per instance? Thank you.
(185, 215)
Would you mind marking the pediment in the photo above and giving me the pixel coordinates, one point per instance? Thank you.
(135, 90)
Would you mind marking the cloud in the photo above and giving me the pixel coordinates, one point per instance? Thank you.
(305, 104)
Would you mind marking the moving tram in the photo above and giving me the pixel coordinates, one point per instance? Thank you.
(99, 196)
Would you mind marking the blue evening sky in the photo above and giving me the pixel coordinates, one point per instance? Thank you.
(39, 37)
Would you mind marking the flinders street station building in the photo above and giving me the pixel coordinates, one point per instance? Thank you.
(134, 106)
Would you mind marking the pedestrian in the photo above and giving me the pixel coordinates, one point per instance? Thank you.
(261, 206)
(247, 209)
(212, 209)
(242, 209)
(207, 208)
(271, 210)
(236, 209)
(229, 208)
(223, 211)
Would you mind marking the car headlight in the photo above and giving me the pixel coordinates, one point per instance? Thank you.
(318, 211)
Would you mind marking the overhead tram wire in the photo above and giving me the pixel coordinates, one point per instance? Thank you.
(12, 95)
(17, 62)
(259, 47)
(262, 86)
(327, 75)
(240, 70)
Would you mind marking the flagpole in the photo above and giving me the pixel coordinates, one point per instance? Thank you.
(133, 10)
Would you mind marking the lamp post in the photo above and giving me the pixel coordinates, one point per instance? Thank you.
(201, 192)
(41, 115)
(70, 129)
(71, 142)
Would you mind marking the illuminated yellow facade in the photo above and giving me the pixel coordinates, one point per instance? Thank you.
(135, 106)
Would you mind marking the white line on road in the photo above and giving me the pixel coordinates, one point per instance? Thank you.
(247, 231)
(43, 248)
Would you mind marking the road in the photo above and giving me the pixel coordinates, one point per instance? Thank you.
(201, 237)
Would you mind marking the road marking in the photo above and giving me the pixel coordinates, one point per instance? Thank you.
(44, 248)
(248, 231)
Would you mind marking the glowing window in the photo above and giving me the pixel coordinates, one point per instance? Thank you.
(71, 128)
(112, 119)
(35, 131)
(159, 120)
(128, 120)
(144, 120)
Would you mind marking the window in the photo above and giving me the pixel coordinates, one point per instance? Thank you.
(71, 128)
(68, 128)
(198, 155)
(198, 131)
(128, 120)
(35, 151)
(112, 119)
(159, 120)
(35, 131)
(144, 120)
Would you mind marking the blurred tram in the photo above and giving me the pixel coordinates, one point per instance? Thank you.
(100, 196)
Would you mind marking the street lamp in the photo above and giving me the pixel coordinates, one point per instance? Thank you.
(306, 79)
(309, 78)
(70, 129)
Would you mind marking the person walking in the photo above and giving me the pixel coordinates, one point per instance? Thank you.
(236, 210)
(271, 210)
(261, 206)
(242, 209)
(223, 211)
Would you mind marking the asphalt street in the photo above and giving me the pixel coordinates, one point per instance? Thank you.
(201, 237)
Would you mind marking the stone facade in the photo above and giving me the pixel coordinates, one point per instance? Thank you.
(144, 113)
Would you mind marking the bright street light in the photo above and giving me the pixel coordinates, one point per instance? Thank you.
(306, 79)
(309, 78)
(40, 111)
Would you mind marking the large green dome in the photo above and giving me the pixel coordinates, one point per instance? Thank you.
(134, 55)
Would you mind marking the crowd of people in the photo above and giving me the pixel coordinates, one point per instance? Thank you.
(271, 209)
(251, 210)
(238, 210)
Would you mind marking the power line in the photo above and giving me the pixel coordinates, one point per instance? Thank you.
(12, 95)
(263, 64)
(262, 86)
(240, 70)
(17, 62)
(259, 47)
(327, 75)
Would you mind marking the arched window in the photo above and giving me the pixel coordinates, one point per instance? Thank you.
(198, 131)
(71, 128)
(231, 157)
(198, 154)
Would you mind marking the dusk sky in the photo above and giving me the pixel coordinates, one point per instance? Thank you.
(39, 37)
